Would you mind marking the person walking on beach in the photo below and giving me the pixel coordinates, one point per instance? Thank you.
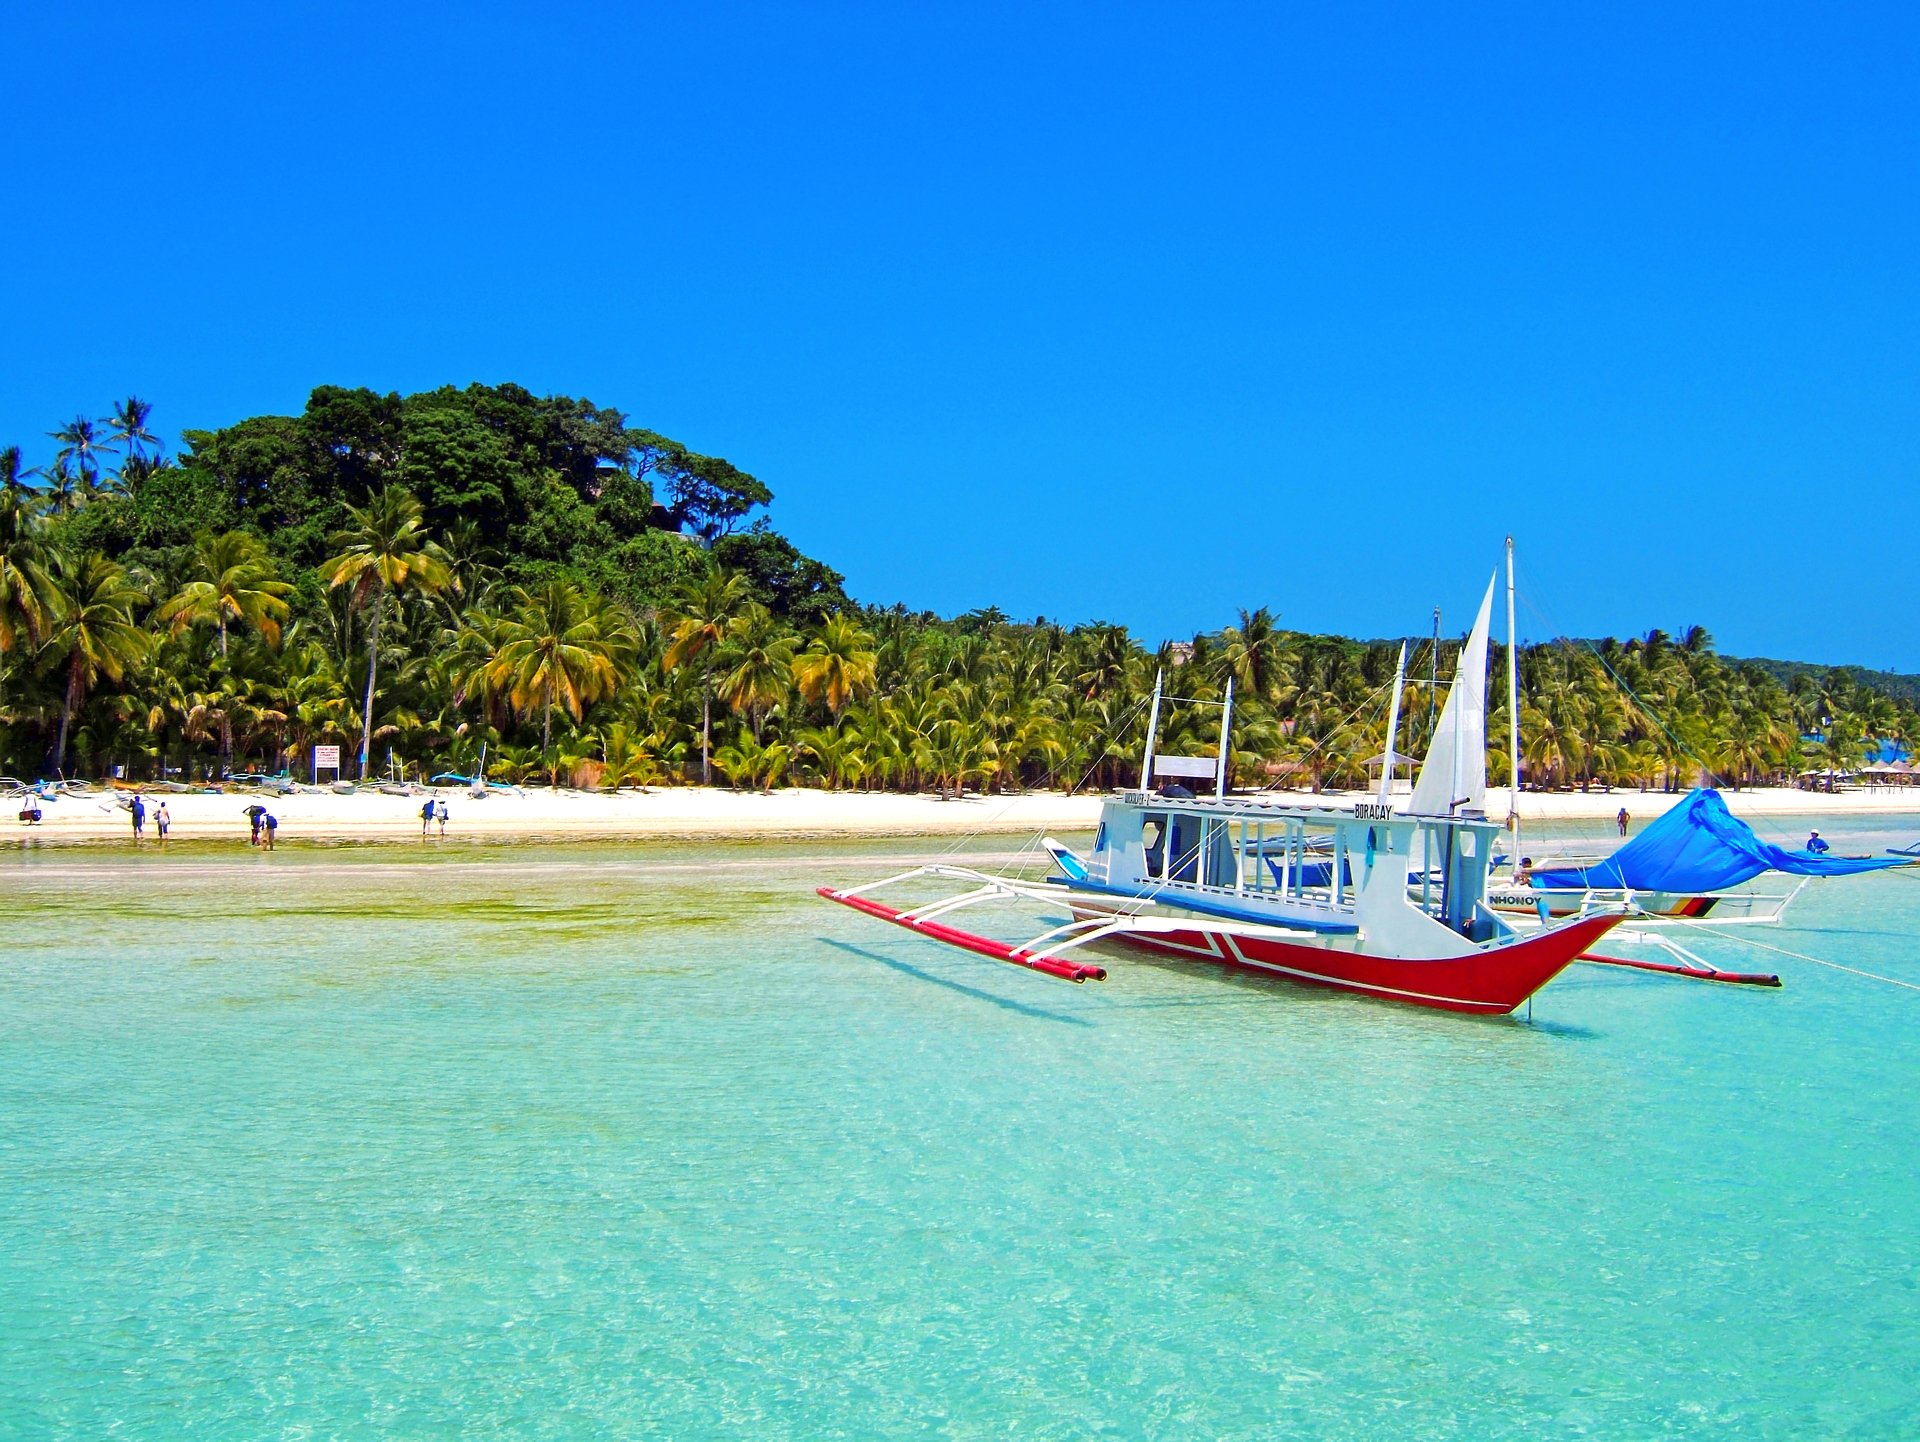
(426, 817)
(1622, 819)
(161, 821)
(267, 827)
(139, 812)
(440, 814)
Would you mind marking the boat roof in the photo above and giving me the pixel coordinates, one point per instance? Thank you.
(1361, 810)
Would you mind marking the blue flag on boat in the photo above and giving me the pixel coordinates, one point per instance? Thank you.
(1700, 846)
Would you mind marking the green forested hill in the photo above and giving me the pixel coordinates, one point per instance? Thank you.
(428, 576)
(1892, 684)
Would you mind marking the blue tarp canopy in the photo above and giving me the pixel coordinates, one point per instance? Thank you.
(1699, 846)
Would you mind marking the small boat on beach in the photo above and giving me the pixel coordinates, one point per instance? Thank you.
(1366, 898)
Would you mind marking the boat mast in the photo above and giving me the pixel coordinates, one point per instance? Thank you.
(1433, 676)
(1393, 722)
(1226, 731)
(1513, 714)
(1153, 728)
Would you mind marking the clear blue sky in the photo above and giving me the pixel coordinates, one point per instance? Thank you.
(1091, 311)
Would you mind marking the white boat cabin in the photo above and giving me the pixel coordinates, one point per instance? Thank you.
(1327, 869)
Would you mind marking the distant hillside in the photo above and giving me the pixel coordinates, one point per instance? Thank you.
(1891, 683)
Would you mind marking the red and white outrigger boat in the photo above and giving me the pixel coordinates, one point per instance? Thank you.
(1361, 897)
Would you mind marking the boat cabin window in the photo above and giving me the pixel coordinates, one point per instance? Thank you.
(1172, 845)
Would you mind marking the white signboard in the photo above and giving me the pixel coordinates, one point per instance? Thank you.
(1184, 765)
(326, 756)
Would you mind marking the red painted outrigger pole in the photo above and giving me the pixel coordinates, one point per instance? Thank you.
(1072, 971)
(1697, 973)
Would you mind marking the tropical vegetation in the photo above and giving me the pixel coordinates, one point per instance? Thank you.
(427, 580)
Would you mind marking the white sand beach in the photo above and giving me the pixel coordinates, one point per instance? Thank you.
(713, 813)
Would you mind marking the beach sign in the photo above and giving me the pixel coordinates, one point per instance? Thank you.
(326, 756)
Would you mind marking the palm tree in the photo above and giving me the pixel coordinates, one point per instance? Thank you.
(558, 645)
(26, 591)
(1257, 656)
(13, 480)
(750, 762)
(384, 551)
(65, 490)
(81, 445)
(838, 665)
(129, 427)
(758, 656)
(698, 627)
(625, 759)
(94, 634)
(232, 581)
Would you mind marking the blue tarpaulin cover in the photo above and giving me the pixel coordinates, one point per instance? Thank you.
(1699, 846)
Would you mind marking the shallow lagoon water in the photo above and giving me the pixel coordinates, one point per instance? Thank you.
(642, 1141)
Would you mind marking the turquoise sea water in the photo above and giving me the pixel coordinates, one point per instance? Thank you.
(623, 1141)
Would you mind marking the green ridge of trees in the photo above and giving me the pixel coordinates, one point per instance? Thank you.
(460, 572)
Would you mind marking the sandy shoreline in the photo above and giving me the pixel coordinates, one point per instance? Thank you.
(796, 812)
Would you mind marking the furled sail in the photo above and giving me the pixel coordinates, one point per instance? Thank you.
(1454, 777)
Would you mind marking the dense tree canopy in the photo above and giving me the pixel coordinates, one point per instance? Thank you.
(421, 577)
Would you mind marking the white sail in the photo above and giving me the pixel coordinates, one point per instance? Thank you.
(1454, 777)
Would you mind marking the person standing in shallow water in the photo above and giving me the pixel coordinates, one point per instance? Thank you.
(426, 817)
(1622, 820)
(268, 825)
(161, 821)
(139, 813)
(440, 814)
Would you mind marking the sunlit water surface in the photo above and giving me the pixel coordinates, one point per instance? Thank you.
(630, 1141)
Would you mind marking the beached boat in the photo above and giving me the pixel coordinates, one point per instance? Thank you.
(1363, 897)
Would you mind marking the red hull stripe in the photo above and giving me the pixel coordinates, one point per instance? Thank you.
(1494, 981)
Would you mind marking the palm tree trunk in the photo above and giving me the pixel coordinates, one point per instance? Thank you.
(373, 662)
(226, 724)
(546, 738)
(706, 732)
(66, 716)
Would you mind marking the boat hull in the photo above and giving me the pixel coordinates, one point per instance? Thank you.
(1491, 981)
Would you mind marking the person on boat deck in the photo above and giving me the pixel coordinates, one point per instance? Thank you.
(1623, 820)
(1817, 846)
(1524, 877)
